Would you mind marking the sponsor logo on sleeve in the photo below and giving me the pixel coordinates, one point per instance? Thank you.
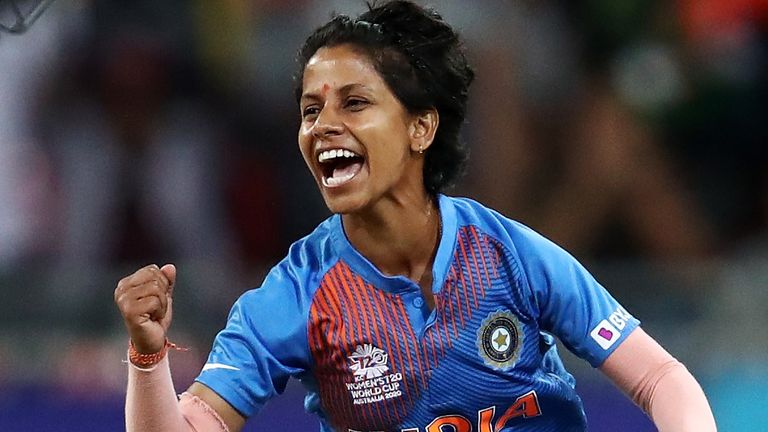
(608, 331)
(605, 334)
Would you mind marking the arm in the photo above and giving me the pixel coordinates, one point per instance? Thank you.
(659, 384)
(145, 301)
(151, 405)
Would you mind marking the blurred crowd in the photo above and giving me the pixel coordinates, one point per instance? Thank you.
(138, 131)
(148, 131)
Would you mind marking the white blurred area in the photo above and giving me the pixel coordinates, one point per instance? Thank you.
(27, 64)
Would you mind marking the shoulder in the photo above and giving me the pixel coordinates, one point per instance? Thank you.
(518, 237)
(540, 261)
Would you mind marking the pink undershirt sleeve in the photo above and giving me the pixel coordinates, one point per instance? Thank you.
(151, 404)
(660, 385)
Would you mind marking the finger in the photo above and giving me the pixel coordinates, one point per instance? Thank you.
(169, 270)
(148, 287)
(141, 276)
(166, 320)
(152, 288)
(155, 289)
(139, 311)
(150, 306)
(160, 276)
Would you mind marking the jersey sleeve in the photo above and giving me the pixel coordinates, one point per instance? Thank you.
(263, 344)
(571, 303)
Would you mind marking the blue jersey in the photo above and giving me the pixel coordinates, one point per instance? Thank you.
(374, 357)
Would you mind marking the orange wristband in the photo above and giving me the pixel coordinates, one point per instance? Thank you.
(148, 360)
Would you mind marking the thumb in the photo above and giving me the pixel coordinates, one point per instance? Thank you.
(169, 270)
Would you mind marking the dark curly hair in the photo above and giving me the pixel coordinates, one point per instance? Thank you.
(421, 59)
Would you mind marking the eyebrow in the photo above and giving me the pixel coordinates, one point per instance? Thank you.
(343, 90)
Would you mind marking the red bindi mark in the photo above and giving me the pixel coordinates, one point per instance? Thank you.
(326, 87)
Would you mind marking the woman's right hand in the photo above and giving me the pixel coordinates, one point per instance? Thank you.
(145, 300)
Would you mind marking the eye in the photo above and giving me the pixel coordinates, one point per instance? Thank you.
(356, 104)
(310, 112)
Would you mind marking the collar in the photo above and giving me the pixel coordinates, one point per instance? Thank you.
(396, 284)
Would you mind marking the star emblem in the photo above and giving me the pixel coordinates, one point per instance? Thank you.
(500, 341)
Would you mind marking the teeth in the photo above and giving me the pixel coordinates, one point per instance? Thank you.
(336, 153)
(335, 181)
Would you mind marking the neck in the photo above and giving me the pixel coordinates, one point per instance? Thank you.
(399, 237)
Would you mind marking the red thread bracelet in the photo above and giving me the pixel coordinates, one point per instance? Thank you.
(148, 360)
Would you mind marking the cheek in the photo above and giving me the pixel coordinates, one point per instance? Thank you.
(305, 144)
(394, 145)
(388, 134)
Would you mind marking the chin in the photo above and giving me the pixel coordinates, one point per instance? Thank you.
(344, 203)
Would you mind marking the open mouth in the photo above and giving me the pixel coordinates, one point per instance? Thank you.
(339, 166)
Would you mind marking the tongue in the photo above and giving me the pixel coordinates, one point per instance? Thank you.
(347, 170)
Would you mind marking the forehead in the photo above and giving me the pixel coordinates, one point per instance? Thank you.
(339, 66)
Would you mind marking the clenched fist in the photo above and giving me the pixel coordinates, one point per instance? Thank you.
(145, 300)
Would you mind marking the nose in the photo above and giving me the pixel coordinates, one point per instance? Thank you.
(327, 124)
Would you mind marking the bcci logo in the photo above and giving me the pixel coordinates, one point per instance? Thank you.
(499, 339)
(368, 362)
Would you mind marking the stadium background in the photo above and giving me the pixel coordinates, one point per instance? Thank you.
(632, 132)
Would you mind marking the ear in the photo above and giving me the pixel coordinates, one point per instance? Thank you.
(423, 129)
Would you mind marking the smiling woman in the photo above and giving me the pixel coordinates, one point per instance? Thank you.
(358, 139)
(407, 310)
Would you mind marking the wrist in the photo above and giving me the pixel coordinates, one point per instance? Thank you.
(148, 360)
(144, 359)
(143, 347)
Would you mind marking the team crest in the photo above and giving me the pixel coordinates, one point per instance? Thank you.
(499, 339)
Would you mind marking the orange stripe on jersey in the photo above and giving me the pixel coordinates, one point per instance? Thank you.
(335, 308)
(358, 317)
(363, 315)
(478, 264)
(484, 247)
(447, 293)
(435, 358)
(349, 297)
(327, 308)
(330, 297)
(315, 341)
(343, 349)
(361, 337)
(357, 286)
(330, 387)
(345, 344)
(402, 364)
(391, 309)
(439, 304)
(378, 299)
(455, 285)
(422, 369)
(463, 241)
(492, 254)
(319, 315)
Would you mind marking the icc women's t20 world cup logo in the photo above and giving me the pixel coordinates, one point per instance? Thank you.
(373, 380)
(368, 362)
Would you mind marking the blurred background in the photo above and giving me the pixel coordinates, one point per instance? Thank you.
(632, 132)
